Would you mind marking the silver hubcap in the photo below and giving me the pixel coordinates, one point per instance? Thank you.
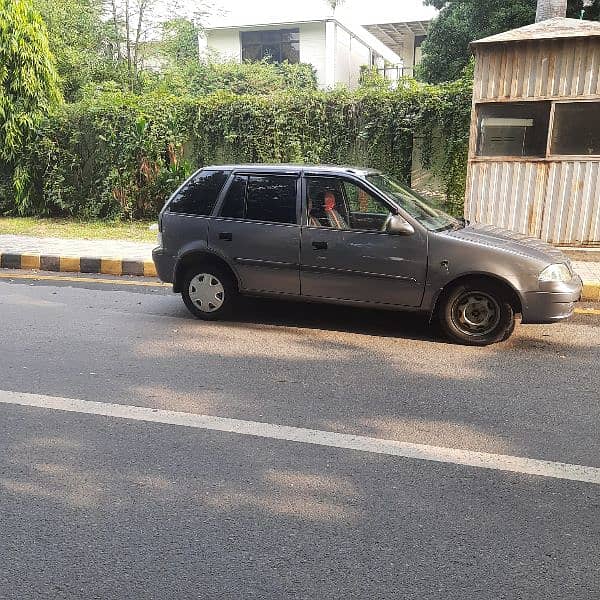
(476, 313)
(206, 292)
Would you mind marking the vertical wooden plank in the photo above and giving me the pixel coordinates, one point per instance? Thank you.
(567, 80)
(589, 66)
(579, 70)
(595, 83)
(559, 68)
(551, 129)
(511, 54)
(593, 235)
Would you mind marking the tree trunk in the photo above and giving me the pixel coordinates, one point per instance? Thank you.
(117, 30)
(548, 9)
(128, 46)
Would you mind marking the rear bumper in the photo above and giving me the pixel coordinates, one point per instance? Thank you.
(165, 265)
(552, 306)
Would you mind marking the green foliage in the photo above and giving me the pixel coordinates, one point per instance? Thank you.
(446, 49)
(80, 41)
(179, 43)
(200, 78)
(371, 78)
(28, 80)
(115, 156)
(119, 156)
(28, 90)
(251, 77)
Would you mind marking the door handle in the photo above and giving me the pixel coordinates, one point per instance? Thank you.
(319, 245)
(225, 235)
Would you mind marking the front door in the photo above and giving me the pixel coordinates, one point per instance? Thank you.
(257, 231)
(346, 253)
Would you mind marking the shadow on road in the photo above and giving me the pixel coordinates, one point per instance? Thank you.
(330, 317)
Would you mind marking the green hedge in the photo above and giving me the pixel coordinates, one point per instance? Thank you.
(119, 156)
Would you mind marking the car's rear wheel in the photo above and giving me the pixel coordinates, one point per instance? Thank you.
(209, 292)
(477, 313)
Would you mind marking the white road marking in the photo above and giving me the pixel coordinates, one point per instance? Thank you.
(484, 460)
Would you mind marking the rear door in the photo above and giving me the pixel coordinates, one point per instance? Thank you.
(186, 217)
(346, 253)
(257, 230)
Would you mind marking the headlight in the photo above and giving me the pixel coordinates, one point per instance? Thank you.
(557, 272)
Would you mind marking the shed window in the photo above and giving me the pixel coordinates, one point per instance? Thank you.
(576, 129)
(513, 129)
(274, 45)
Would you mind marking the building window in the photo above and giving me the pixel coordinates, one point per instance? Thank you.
(513, 129)
(274, 45)
(576, 129)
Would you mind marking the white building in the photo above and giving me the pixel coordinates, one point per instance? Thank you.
(336, 48)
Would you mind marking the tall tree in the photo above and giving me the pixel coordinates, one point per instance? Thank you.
(179, 43)
(446, 49)
(28, 78)
(130, 22)
(138, 26)
(546, 9)
(81, 42)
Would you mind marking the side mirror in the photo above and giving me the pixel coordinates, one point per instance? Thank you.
(398, 226)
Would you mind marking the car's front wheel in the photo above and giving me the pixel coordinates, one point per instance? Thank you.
(477, 313)
(209, 292)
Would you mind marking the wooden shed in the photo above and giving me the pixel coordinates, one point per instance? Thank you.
(534, 155)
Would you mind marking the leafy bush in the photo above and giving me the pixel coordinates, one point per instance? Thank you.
(119, 155)
(199, 79)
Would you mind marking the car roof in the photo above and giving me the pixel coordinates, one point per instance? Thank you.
(293, 168)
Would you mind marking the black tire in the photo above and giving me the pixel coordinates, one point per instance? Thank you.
(225, 291)
(476, 313)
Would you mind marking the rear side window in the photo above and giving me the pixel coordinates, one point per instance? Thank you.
(268, 198)
(199, 195)
(271, 199)
(234, 205)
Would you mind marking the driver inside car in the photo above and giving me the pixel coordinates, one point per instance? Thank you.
(324, 213)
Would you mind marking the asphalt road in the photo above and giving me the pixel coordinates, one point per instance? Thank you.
(105, 507)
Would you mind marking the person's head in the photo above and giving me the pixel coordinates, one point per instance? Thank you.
(329, 201)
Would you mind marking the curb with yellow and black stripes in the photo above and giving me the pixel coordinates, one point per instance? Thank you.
(144, 268)
(591, 292)
(78, 264)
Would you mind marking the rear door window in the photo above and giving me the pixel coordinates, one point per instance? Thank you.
(269, 198)
(272, 199)
(199, 195)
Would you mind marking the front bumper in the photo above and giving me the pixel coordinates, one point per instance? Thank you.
(549, 306)
(165, 265)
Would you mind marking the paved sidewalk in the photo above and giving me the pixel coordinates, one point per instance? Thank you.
(119, 257)
(115, 257)
(590, 273)
(20, 244)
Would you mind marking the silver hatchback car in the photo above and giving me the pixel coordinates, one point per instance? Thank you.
(353, 236)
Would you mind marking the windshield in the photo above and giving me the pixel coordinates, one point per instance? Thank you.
(424, 211)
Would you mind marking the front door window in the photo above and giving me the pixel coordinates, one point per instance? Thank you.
(342, 204)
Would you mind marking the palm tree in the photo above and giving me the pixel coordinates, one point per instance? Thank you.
(547, 9)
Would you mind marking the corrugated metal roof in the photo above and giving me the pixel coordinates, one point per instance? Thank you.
(557, 28)
(393, 35)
